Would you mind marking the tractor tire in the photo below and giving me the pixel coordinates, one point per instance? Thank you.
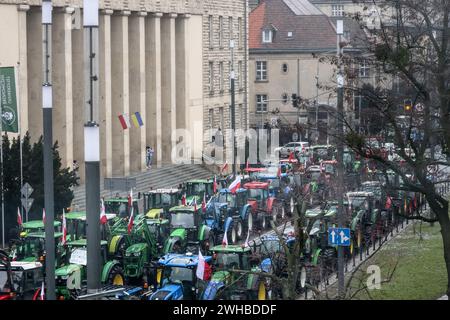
(274, 214)
(233, 235)
(239, 229)
(177, 247)
(264, 223)
(282, 213)
(115, 276)
(248, 224)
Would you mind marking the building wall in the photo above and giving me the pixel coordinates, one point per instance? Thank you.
(299, 78)
(152, 60)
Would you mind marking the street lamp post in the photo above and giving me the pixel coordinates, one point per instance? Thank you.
(92, 144)
(47, 110)
(233, 106)
(340, 156)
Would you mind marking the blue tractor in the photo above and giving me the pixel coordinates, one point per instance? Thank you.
(177, 279)
(230, 212)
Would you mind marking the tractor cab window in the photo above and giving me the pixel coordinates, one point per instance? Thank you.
(256, 194)
(227, 261)
(183, 220)
(227, 198)
(123, 210)
(241, 199)
(166, 199)
(178, 275)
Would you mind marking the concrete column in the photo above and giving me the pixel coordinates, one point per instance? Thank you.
(78, 102)
(23, 68)
(62, 83)
(105, 113)
(168, 82)
(34, 66)
(153, 84)
(137, 89)
(120, 93)
(182, 70)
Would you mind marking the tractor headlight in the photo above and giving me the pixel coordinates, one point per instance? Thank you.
(64, 277)
(136, 254)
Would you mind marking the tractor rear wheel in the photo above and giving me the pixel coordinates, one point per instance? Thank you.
(115, 276)
(239, 229)
(233, 235)
(274, 214)
(292, 205)
(249, 221)
(264, 223)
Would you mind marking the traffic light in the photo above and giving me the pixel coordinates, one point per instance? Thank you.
(407, 105)
(294, 100)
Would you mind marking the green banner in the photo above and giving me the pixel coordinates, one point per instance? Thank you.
(8, 100)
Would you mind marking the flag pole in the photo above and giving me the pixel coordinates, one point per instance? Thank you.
(1, 173)
(20, 137)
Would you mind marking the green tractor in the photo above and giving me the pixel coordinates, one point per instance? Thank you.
(188, 230)
(232, 285)
(366, 220)
(71, 277)
(195, 189)
(158, 202)
(38, 226)
(119, 206)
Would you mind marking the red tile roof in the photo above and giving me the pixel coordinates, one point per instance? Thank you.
(310, 32)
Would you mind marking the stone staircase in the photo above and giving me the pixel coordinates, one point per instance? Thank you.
(164, 177)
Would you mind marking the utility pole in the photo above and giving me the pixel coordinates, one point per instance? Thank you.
(47, 109)
(92, 144)
(233, 106)
(340, 156)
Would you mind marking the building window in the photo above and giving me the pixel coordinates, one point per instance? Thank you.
(221, 32)
(211, 118)
(210, 30)
(337, 10)
(221, 76)
(231, 118)
(290, 34)
(284, 68)
(261, 70)
(211, 77)
(221, 119)
(261, 103)
(364, 69)
(267, 36)
(239, 42)
(285, 98)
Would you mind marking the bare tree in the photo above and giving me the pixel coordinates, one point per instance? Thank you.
(407, 44)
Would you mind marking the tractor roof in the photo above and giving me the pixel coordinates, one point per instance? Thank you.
(37, 224)
(321, 146)
(83, 243)
(200, 181)
(229, 191)
(165, 191)
(256, 185)
(81, 215)
(371, 183)
(41, 235)
(181, 260)
(231, 249)
(313, 169)
(187, 209)
(359, 194)
(255, 169)
(119, 200)
(24, 265)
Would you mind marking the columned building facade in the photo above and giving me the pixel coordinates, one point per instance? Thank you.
(168, 60)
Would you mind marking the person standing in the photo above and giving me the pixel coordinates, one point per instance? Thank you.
(149, 156)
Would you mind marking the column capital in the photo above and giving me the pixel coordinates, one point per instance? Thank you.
(23, 7)
(142, 13)
(107, 12)
(156, 14)
(69, 10)
(185, 15)
(171, 15)
(125, 13)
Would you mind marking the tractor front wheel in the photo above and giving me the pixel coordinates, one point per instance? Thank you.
(115, 276)
(239, 229)
(233, 235)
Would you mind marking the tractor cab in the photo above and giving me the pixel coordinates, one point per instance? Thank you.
(158, 202)
(187, 230)
(176, 277)
(257, 194)
(19, 280)
(31, 247)
(364, 214)
(225, 259)
(377, 189)
(195, 189)
(38, 226)
(119, 206)
(77, 225)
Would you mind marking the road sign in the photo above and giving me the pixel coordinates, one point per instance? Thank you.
(339, 236)
(26, 203)
(26, 190)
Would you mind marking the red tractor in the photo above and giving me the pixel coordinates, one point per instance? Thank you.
(265, 206)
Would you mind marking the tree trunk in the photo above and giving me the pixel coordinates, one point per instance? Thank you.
(445, 231)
